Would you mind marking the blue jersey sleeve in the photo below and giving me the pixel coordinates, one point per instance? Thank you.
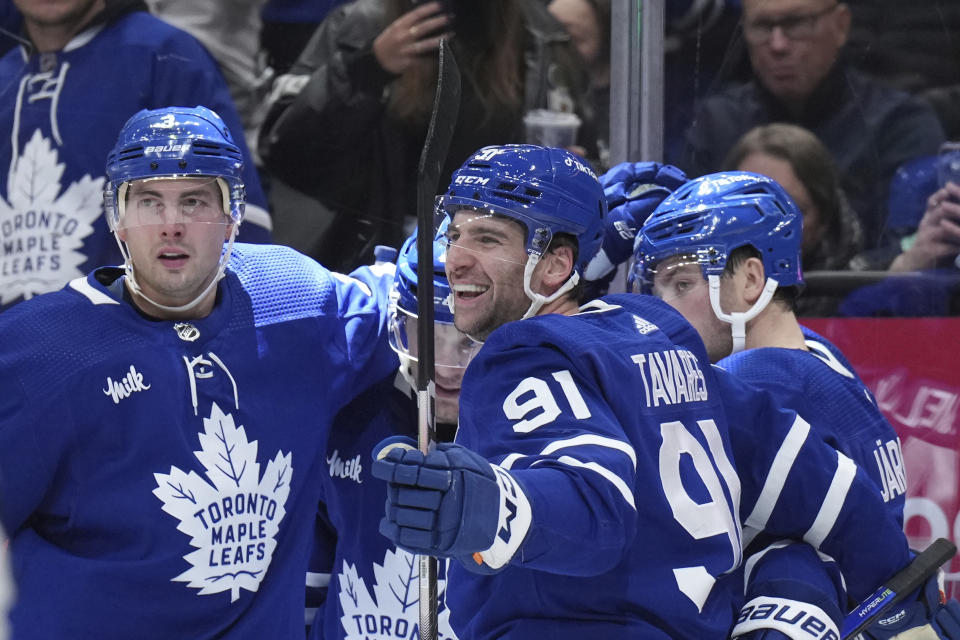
(797, 486)
(790, 587)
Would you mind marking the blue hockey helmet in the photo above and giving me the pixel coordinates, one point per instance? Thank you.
(405, 281)
(709, 217)
(548, 190)
(175, 142)
(452, 348)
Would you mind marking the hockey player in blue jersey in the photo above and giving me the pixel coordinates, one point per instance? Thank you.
(372, 588)
(724, 250)
(603, 471)
(81, 69)
(163, 425)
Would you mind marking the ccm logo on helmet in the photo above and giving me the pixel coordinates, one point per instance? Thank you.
(470, 180)
(166, 147)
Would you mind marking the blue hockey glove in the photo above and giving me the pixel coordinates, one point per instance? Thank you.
(928, 615)
(632, 190)
(451, 503)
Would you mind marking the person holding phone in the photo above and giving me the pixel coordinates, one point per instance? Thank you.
(937, 241)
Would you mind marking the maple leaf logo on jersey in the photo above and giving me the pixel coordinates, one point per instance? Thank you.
(41, 229)
(394, 609)
(233, 523)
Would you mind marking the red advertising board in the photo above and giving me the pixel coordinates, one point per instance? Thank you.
(912, 365)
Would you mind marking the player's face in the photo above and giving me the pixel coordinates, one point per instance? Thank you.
(452, 352)
(681, 284)
(485, 262)
(58, 13)
(580, 20)
(174, 231)
(794, 43)
(781, 171)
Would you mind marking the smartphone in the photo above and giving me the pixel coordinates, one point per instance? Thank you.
(948, 164)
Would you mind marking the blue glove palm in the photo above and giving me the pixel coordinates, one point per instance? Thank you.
(632, 190)
(450, 503)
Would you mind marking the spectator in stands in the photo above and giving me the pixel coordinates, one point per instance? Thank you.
(348, 123)
(937, 241)
(231, 33)
(88, 65)
(803, 166)
(588, 23)
(799, 76)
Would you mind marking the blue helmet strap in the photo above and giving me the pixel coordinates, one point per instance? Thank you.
(738, 319)
(538, 299)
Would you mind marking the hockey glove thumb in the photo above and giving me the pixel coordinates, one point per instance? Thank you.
(632, 190)
(927, 616)
(451, 503)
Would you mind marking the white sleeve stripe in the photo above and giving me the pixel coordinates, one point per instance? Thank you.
(507, 462)
(588, 439)
(752, 561)
(318, 580)
(833, 502)
(777, 476)
(610, 476)
(309, 613)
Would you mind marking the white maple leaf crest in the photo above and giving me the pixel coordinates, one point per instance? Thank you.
(393, 611)
(41, 228)
(232, 522)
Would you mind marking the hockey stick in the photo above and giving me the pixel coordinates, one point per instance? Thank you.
(443, 119)
(904, 582)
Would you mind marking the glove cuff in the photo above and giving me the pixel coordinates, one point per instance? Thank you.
(795, 619)
(512, 525)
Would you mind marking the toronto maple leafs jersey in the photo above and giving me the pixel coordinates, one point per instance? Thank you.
(60, 114)
(821, 385)
(373, 591)
(159, 479)
(642, 463)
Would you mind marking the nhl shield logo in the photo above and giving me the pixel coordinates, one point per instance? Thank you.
(186, 331)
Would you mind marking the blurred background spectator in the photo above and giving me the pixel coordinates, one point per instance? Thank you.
(588, 23)
(937, 241)
(804, 167)
(85, 67)
(800, 76)
(231, 33)
(347, 124)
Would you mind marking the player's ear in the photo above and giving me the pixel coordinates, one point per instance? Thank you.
(753, 279)
(555, 266)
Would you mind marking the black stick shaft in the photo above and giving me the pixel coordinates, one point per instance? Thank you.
(442, 122)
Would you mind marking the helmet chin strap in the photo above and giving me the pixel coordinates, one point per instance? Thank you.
(135, 286)
(538, 300)
(738, 319)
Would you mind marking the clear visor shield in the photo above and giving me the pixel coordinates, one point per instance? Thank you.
(452, 348)
(670, 278)
(172, 201)
(482, 229)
